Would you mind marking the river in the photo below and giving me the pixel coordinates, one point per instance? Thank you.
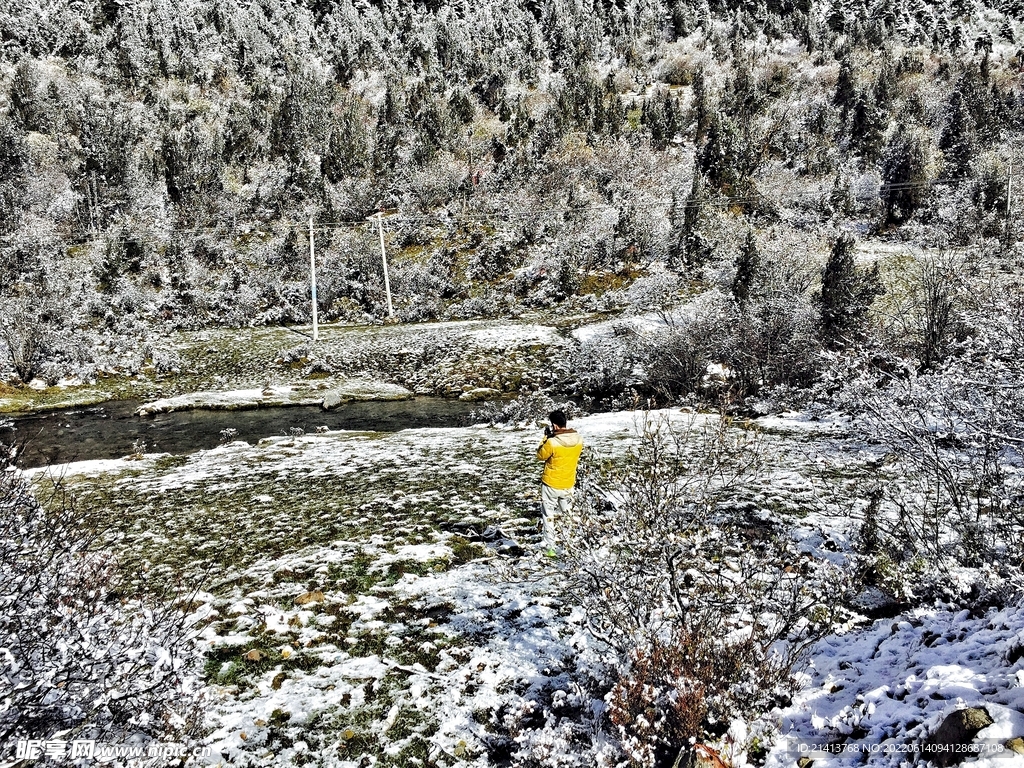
(112, 430)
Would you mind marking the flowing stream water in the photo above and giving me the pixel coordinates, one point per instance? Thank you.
(112, 430)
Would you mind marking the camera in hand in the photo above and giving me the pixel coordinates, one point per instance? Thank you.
(549, 432)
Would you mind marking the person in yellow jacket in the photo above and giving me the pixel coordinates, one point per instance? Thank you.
(560, 453)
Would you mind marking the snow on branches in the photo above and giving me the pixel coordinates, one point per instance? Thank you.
(79, 654)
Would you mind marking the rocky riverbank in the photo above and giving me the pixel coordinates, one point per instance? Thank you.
(470, 360)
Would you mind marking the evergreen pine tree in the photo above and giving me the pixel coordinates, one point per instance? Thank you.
(719, 157)
(676, 252)
(977, 99)
(846, 92)
(957, 41)
(653, 117)
(747, 265)
(846, 295)
(867, 126)
(961, 9)
(905, 174)
(941, 34)
(886, 86)
(703, 110)
(615, 116)
(348, 151)
(681, 17)
(673, 117)
(14, 163)
(958, 142)
(695, 246)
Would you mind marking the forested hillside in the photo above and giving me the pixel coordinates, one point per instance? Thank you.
(161, 161)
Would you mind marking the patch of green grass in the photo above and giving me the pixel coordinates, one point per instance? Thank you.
(411, 721)
(359, 576)
(426, 653)
(23, 399)
(241, 664)
(464, 550)
(359, 730)
(165, 463)
(399, 568)
(368, 643)
(184, 517)
(353, 576)
(291, 576)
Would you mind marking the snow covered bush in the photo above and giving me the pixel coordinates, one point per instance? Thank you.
(37, 337)
(957, 445)
(714, 349)
(79, 653)
(704, 602)
(954, 439)
(602, 368)
(525, 409)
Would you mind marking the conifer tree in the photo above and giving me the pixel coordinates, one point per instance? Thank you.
(846, 91)
(748, 264)
(867, 126)
(695, 246)
(703, 109)
(13, 166)
(958, 142)
(846, 295)
(905, 174)
(718, 159)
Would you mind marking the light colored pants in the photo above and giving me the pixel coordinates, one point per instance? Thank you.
(554, 503)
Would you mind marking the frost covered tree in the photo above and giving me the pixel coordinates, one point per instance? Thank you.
(867, 126)
(846, 294)
(690, 240)
(81, 654)
(907, 170)
(175, 122)
(747, 264)
(959, 140)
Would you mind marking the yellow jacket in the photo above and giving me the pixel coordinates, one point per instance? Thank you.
(560, 454)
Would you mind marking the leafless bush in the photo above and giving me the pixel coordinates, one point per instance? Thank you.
(927, 308)
(26, 334)
(80, 654)
(705, 605)
(956, 442)
(958, 446)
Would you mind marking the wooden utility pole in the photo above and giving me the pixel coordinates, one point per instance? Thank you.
(384, 260)
(312, 277)
(1009, 189)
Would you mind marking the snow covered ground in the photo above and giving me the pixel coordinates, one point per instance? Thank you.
(306, 393)
(378, 599)
(881, 691)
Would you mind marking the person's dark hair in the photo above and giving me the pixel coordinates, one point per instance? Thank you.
(558, 418)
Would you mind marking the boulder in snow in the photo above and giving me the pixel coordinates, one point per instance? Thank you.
(332, 400)
(307, 598)
(947, 746)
